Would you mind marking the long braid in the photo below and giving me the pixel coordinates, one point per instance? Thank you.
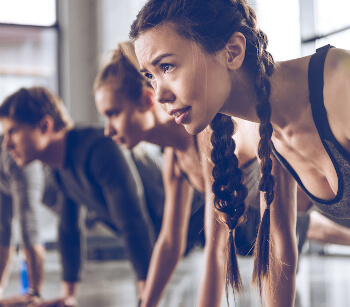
(262, 69)
(229, 190)
(263, 109)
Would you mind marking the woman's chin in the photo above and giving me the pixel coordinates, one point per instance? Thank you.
(194, 129)
(131, 144)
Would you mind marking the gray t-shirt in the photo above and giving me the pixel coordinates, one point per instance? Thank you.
(20, 196)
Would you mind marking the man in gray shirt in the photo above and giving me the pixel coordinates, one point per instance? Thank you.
(20, 195)
(88, 168)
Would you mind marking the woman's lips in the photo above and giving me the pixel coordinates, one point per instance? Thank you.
(14, 155)
(119, 140)
(180, 114)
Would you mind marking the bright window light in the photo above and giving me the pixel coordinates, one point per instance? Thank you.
(28, 12)
(332, 15)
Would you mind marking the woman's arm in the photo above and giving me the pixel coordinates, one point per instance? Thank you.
(171, 243)
(212, 282)
(279, 290)
(114, 172)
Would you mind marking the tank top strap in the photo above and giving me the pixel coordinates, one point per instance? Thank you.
(316, 83)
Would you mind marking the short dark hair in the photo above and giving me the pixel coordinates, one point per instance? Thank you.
(30, 105)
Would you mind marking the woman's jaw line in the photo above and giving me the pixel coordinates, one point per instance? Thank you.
(165, 131)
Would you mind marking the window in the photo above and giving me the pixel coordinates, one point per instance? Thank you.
(331, 15)
(28, 12)
(28, 45)
(324, 22)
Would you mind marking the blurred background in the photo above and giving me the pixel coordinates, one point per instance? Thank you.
(59, 44)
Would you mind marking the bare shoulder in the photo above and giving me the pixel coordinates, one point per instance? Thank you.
(337, 92)
(337, 68)
(339, 60)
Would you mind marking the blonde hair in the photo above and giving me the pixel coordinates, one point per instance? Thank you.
(120, 69)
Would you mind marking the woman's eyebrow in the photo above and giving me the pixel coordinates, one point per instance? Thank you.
(157, 60)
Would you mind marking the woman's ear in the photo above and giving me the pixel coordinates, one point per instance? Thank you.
(147, 99)
(235, 51)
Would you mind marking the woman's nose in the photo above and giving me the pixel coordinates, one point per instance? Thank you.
(163, 93)
(109, 130)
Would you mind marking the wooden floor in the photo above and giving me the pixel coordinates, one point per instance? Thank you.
(322, 281)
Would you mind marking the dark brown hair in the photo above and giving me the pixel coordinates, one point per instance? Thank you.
(211, 23)
(30, 105)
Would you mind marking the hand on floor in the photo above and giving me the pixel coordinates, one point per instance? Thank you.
(60, 302)
(18, 301)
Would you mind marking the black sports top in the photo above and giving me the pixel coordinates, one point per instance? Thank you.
(339, 205)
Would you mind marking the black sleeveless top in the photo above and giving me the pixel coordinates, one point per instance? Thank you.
(339, 206)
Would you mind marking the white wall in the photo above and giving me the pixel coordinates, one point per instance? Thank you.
(88, 29)
(280, 20)
(114, 21)
(77, 21)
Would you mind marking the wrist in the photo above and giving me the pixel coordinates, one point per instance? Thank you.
(70, 301)
(69, 289)
(33, 292)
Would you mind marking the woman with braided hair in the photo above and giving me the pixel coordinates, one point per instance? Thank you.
(207, 60)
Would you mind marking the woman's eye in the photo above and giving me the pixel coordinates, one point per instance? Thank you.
(112, 113)
(167, 68)
(149, 76)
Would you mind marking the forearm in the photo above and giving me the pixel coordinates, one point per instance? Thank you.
(69, 293)
(71, 260)
(279, 291)
(35, 263)
(70, 242)
(324, 230)
(140, 287)
(212, 282)
(69, 289)
(163, 263)
(5, 255)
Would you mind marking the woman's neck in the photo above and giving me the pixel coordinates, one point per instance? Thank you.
(165, 132)
(289, 94)
(242, 98)
(288, 98)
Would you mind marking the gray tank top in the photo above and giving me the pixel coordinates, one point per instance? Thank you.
(339, 206)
